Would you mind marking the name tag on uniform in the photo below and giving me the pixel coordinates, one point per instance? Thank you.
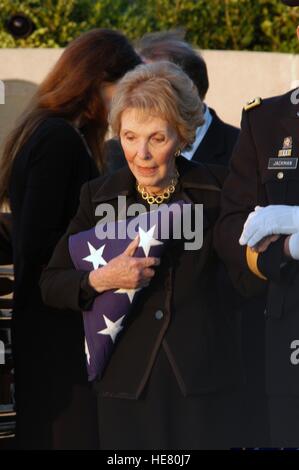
(285, 163)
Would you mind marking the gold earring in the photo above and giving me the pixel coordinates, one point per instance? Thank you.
(177, 152)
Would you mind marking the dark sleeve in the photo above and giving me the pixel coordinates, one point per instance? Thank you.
(87, 293)
(63, 286)
(242, 191)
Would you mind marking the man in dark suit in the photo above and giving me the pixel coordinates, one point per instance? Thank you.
(215, 139)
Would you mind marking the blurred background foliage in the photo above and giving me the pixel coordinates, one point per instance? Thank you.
(257, 25)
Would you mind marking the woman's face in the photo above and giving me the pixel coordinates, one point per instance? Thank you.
(149, 145)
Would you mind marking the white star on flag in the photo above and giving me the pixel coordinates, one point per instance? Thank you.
(113, 328)
(95, 256)
(87, 351)
(129, 292)
(147, 240)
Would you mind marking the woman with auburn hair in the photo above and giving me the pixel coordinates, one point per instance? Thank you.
(54, 149)
(169, 373)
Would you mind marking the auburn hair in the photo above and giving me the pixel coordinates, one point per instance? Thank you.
(72, 89)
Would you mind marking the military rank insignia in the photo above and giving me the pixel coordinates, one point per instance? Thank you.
(285, 159)
(252, 104)
(286, 150)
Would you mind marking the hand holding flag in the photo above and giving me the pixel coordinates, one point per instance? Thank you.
(120, 269)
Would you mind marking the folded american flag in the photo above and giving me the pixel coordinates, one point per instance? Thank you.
(94, 248)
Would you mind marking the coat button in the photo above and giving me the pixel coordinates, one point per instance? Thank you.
(159, 315)
(280, 175)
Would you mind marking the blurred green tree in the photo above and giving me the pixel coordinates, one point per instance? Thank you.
(56, 22)
(263, 25)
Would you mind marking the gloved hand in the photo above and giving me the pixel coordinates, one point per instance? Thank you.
(270, 220)
(294, 246)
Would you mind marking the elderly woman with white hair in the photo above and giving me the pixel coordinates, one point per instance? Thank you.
(172, 379)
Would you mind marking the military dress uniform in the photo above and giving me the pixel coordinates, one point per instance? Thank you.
(265, 171)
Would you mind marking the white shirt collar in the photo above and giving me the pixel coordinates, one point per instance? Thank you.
(200, 133)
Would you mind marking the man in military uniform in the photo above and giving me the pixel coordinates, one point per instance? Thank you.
(258, 238)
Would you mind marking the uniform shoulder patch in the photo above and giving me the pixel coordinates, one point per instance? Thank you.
(253, 103)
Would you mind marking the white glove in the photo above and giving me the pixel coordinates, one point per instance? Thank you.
(270, 220)
(294, 246)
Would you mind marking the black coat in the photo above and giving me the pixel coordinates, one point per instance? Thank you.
(198, 337)
(254, 181)
(45, 184)
(216, 147)
(218, 143)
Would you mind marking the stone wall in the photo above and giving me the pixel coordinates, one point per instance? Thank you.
(235, 77)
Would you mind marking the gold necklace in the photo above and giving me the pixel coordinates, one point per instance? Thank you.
(159, 198)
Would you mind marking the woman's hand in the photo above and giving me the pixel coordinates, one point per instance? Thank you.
(124, 271)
